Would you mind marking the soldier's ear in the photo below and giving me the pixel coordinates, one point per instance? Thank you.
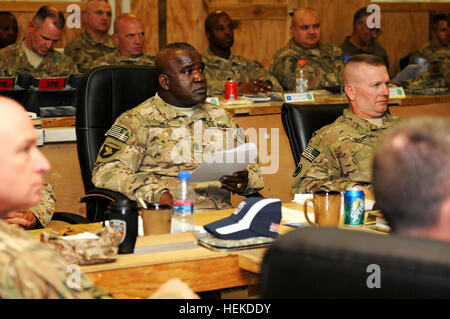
(164, 82)
(350, 91)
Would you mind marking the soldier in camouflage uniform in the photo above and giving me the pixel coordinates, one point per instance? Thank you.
(363, 38)
(440, 39)
(95, 41)
(221, 64)
(340, 155)
(170, 132)
(129, 37)
(34, 54)
(28, 269)
(324, 62)
(436, 78)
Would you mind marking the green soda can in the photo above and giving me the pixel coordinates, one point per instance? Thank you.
(354, 207)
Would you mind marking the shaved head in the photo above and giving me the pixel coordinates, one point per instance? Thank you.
(366, 80)
(22, 165)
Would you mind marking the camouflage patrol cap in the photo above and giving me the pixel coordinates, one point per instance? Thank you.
(86, 251)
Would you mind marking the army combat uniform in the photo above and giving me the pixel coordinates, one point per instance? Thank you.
(116, 58)
(148, 145)
(30, 270)
(236, 68)
(44, 210)
(426, 52)
(436, 78)
(323, 65)
(13, 61)
(84, 50)
(340, 155)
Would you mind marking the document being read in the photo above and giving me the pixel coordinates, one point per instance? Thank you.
(225, 163)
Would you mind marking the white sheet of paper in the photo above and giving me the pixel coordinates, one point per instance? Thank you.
(225, 163)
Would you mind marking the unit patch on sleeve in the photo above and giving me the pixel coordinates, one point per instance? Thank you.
(118, 132)
(310, 153)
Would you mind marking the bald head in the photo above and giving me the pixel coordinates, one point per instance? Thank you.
(302, 13)
(305, 28)
(129, 35)
(165, 56)
(22, 166)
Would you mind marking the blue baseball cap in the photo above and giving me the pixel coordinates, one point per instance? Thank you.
(252, 218)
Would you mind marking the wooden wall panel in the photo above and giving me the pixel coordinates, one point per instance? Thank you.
(185, 22)
(147, 11)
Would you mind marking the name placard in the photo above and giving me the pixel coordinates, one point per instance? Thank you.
(52, 84)
(6, 83)
(299, 97)
(396, 93)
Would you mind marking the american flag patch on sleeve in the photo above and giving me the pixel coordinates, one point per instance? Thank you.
(120, 133)
(310, 153)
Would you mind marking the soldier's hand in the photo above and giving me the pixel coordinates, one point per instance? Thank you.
(24, 219)
(255, 87)
(236, 183)
(166, 199)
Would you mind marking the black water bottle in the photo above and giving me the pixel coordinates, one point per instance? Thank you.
(123, 216)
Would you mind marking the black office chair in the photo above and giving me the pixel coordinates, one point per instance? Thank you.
(301, 121)
(103, 95)
(320, 262)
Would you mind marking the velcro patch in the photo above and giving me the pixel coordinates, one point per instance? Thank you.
(310, 153)
(120, 133)
(109, 151)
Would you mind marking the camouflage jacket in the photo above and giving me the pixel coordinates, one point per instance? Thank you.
(30, 270)
(437, 75)
(13, 61)
(427, 52)
(116, 58)
(46, 207)
(376, 49)
(84, 50)
(339, 155)
(148, 145)
(236, 68)
(323, 65)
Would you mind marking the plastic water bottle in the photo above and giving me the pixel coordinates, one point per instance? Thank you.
(301, 81)
(183, 205)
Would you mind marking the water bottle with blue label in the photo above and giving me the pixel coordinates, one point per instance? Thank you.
(183, 205)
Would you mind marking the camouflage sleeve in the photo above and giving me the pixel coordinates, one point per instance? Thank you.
(255, 178)
(283, 69)
(215, 86)
(319, 169)
(257, 71)
(82, 59)
(30, 270)
(119, 160)
(46, 207)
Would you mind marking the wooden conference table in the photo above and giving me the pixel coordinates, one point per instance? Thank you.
(139, 275)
